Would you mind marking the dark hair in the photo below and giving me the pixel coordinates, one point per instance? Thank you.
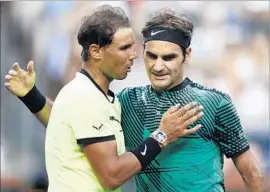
(168, 18)
(99, 27)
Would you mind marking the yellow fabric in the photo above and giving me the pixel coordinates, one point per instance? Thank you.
(78, 108)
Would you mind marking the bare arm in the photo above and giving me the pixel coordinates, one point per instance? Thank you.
(249, 171)
(44, 114)
(113, 170)
(234, 144)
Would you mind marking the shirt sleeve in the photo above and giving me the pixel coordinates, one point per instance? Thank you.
(229, 132)
(90, 120)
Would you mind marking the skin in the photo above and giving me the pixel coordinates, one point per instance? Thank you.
(108, 63)
(122, 50)
(164, 68)
(113, 61)
(249, 171)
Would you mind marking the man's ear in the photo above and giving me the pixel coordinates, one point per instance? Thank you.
(95, 51)
(188, 55)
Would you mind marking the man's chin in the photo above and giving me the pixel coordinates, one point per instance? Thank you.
(122, 77)
(159, 86)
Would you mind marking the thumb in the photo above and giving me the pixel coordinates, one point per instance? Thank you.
(30, 67)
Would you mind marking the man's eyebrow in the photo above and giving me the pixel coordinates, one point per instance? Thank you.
(151, 54)
(126, 46)
(171, 55)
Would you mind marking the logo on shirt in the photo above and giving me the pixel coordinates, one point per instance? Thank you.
(144, 151)
(97, 128)
(113, 118)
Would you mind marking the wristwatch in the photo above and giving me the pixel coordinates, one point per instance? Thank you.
(160, 137)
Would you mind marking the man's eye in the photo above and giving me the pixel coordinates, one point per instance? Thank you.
(125, 47)
(168, 58)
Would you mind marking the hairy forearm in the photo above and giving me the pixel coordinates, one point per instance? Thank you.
(114, 170)
(254, 182)
(121, 170)
(250, 172)
(44, 114)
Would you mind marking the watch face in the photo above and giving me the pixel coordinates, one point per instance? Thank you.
(161, 136)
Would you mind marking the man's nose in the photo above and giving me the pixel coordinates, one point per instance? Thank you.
(159, 65)
(133, 54)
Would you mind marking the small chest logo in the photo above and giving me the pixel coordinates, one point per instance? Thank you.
(97, 128)
(113, 118)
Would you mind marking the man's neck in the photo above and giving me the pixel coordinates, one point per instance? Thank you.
(176, 83)
(102, 81)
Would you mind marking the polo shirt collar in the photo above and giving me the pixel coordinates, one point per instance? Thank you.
(178, 87)
(110, 93)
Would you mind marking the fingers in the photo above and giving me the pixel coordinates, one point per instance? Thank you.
(173, 109)
(12, 72)
(185, 109)
(8, 77)
(193, 119)
(191, 112)
(16, 66)
(193, 130)
(7, 84)
(30, 67)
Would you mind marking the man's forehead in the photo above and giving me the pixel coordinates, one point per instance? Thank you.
(123, 36)
(162, 47)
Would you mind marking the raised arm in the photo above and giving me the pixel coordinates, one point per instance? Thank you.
(22, 84)
(44, 114)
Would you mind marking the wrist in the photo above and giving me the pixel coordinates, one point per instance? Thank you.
(160, 137)
(147, 151)
(34, 100)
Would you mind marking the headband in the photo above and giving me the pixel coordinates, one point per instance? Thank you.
(165, 34)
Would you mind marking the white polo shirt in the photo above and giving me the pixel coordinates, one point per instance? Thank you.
(81, 114)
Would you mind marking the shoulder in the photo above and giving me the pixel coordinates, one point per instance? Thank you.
(132, 92)
(208, 92)
(79, 90)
